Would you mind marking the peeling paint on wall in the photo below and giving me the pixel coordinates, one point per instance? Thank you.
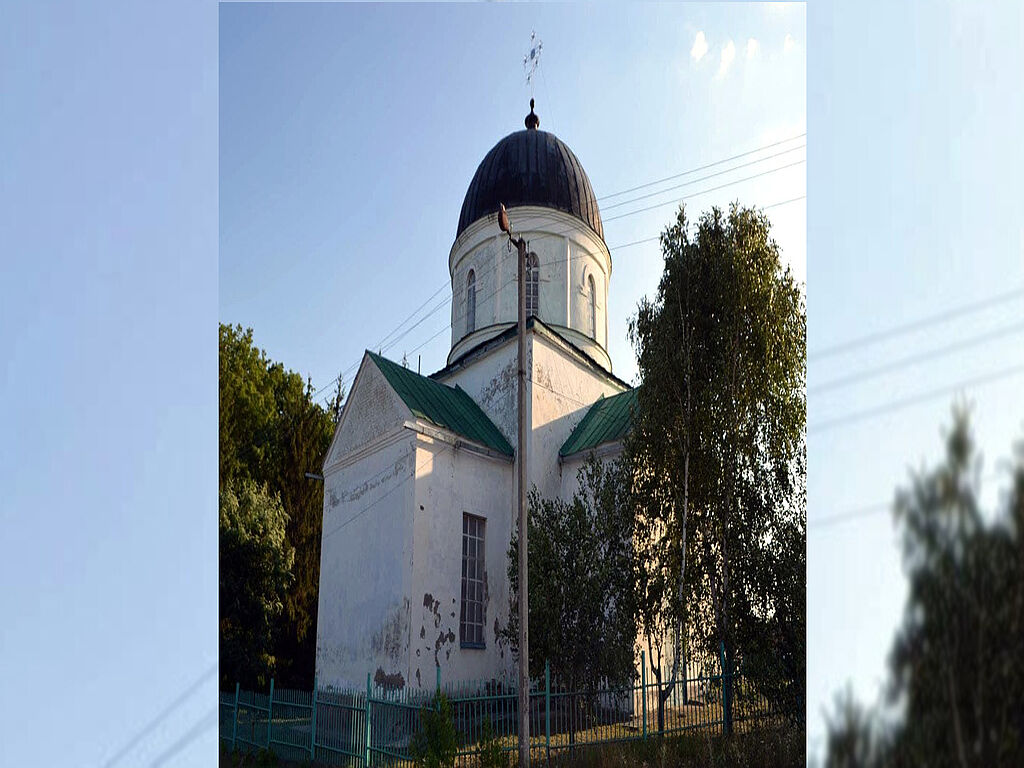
(392, 682)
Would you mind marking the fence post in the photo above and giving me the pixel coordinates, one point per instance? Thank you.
(726, 694)
(643, 689)
(547, 708)
(366, 757)
(234, 725)
(270, 711)
(312, 725)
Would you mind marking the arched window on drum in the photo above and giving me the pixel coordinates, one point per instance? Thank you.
(470, 302)
(592, 300)
(532, 285)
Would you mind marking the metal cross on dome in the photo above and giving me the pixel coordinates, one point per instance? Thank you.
(532, 59)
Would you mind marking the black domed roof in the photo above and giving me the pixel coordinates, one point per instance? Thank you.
(531, 167)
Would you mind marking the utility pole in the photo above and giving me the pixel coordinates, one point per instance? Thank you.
(524, 648)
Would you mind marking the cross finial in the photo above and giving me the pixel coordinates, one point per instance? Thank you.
(532, 59)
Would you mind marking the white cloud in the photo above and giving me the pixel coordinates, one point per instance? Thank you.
(700, 47)
(728, 54)
(752, 46)
(788, 44)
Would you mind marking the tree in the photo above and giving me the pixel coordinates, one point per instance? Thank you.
(581, 562)
(255, 573)
(717, 446)
(956, 662)
(272, 432)
(955, 666)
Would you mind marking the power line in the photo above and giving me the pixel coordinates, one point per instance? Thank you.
(870, 373)
(705, 178)
(843, 517)
(461, 316)
(703, 167)
(198, 728)
(380, 344)
(866, 511)
(915, 325)
(658, 237)
(895, 405)
(569, 229)
(151, 725)
(706, 191)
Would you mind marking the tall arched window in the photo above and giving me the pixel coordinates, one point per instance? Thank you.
(593, 307)
(471, 302)
(532, 285)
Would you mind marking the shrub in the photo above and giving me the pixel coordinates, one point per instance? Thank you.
(436, 744)
(489, 753)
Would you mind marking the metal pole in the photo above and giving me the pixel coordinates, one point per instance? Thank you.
(643, 689)
(366, 758)
(547, 709)
(312, 726)
(270, 711)
(524, 648)
(234, 725)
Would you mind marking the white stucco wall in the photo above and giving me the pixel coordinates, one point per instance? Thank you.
(451, 482)
(568, 252)
(365, 565)
(491, 381)
(561, 392)
(395, 493)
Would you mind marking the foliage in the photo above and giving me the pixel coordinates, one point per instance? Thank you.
(718, 451)
(272, 432)
(255, 572)
(489, 753)
(581, 562)
(955, 666)
(436, 744)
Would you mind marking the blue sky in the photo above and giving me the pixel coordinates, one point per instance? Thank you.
(915, 209)
(343, 196)
(349, 135)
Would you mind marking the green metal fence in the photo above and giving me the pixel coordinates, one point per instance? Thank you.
(377, 726)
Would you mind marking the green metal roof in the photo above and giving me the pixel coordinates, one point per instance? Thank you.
(447, 407)
(607, 421)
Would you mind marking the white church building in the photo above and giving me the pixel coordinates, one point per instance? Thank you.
(420, 481)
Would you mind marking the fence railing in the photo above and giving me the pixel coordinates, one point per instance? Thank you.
(377, 726)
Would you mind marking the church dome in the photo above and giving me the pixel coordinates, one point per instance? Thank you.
(531, 167)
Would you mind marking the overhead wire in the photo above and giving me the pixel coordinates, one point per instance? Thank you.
(870, 373)
(915, 325)
(512, 280)
(894, 405)
(388, 337)
(860, 513)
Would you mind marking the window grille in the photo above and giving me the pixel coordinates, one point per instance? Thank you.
(471, 302)
(471, 625)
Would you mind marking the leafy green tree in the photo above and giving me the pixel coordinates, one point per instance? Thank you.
(581, 563)
(272, 432)
(717, 447)
(255, 573)
(436, 743)
(956, 675)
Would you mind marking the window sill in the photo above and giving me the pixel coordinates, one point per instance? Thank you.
(479, 646)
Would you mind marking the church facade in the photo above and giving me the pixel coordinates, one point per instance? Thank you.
(420, 483)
